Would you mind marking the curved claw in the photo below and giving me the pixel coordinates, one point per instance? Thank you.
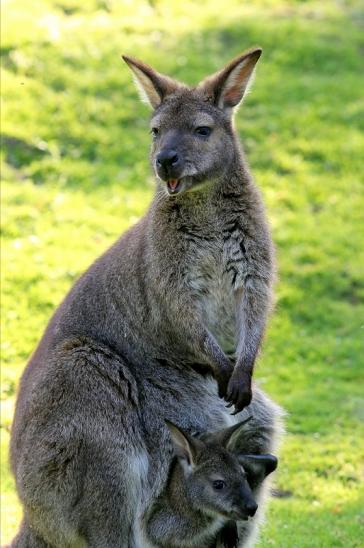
(236, 411)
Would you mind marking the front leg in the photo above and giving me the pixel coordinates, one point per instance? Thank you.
(253, 302)
(208, 349)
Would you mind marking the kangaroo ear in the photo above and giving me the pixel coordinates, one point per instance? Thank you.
(257, 467)
(227, 436)
(185, 447)
(227, 87)
(153, 86)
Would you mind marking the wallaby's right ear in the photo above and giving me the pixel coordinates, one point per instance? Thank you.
(184, 445)
(227, 87)
(227, 436)
(153, 86)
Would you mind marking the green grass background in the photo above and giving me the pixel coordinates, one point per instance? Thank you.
(75, 175)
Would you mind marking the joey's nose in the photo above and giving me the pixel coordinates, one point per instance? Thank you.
(251, 508)
(168, 159)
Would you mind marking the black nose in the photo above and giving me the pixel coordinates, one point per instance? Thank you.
(251, 508)
(167, 159)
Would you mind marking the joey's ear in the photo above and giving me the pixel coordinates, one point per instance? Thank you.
(185, 447)
(257, 467)
(227, 87)
(153, 86)
(227, 436)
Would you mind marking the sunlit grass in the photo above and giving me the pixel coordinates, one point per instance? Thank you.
(75, 172)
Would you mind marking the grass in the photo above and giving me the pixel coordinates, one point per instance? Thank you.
(75, 175)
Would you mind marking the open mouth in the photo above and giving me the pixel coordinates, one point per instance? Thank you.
(238, 516)
(183, 184)
(174, 185)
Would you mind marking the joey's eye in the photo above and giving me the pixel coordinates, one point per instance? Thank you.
(218, 484)
(203, 131)
(154, 131)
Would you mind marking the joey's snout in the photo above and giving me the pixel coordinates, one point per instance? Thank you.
(245, 505)
(245, 510)
(250, 508)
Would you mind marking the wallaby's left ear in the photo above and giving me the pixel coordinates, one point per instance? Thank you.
(153, 86)
(257, 467)
(185, 446)
(227, 87)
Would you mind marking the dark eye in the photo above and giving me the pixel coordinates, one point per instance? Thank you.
(154, 131)
(218, 484)
(204, 131)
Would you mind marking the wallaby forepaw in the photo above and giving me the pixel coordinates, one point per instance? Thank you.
(239, 392)
(223, 381)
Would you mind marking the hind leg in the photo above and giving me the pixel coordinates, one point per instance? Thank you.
(75, 437)
(27, 538)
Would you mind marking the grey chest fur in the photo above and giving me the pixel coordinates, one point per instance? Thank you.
(213, 269)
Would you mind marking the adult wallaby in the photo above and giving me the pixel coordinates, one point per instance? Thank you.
(207, 488)
(214, 265)
(144, 333)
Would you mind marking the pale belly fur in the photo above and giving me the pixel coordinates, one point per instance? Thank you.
(212, 289)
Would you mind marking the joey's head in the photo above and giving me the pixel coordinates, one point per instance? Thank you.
(216, 480)
(193, 140)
